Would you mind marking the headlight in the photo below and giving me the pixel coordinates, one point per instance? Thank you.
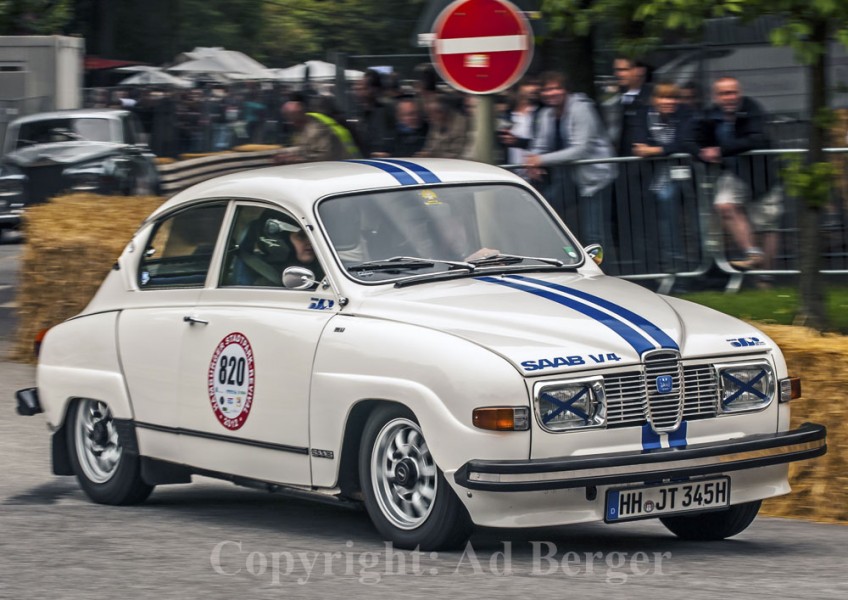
(85, 178)
(573, 404)
(85, 182)
(745, 387)
(11, 186)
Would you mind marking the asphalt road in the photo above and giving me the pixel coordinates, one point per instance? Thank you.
(214, 540)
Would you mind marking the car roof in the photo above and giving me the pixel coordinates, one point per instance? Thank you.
(302, 184)
(92, 113)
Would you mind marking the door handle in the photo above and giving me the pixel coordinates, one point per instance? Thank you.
(191, 319)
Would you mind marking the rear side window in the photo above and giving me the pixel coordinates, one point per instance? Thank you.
(180, 248)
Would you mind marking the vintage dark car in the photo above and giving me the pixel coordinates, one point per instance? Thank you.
(89, 150)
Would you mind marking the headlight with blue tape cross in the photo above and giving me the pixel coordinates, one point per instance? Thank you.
(572, 404)
(745, 387)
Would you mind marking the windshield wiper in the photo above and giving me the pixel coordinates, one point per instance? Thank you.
(511, 259)
(398, 263)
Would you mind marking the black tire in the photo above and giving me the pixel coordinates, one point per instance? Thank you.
(716, 525)
(121, 482)
(445, 523)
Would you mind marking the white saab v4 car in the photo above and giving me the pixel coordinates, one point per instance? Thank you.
(422, 336)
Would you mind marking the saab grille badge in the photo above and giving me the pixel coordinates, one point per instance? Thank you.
(664, 384)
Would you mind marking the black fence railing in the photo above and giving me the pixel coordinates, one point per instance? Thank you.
(660, 221)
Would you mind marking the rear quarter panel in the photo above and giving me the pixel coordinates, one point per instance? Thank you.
(79, 359)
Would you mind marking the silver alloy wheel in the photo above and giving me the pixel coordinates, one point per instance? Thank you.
(403, 474)
(98, 447)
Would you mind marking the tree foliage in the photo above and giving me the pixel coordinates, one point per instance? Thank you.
(278, 32)
(34, 17)
(306, 29)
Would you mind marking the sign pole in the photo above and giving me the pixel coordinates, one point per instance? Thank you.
(484, 128)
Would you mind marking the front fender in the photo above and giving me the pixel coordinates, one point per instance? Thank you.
(439, 377)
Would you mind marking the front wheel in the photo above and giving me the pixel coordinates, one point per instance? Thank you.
(716, 525)
(406, 495)
(106, 473)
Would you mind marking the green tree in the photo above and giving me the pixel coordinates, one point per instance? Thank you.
(34, 17)
(276, 32)
(297, 30)
(807, 27)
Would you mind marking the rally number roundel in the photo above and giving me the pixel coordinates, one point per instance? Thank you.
(231, 380)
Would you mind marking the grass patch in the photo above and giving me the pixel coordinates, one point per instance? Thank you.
(778, 305)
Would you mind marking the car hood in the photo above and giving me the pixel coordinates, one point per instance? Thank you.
(65, 153)
(549, 323)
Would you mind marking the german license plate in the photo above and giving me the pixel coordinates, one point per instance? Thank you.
(655, 501)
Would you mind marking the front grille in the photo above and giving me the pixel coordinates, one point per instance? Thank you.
(663, 379)
(700, 392)
(628, 399)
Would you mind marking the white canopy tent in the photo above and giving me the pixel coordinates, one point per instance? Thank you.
(230, 63)
(319, 71)
(156, 77)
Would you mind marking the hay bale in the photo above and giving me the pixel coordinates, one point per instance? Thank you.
(191, 155)
(70, 244)
(819, 486)
(256, 147)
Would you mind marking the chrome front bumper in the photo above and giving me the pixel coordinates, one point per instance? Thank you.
(749, 452)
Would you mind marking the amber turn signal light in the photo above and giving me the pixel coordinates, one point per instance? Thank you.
(39, 337)
(502, 418)
(790, 389)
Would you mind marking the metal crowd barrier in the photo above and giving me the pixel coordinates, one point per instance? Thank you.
(660, 223)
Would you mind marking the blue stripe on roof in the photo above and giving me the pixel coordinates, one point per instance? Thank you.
(426, 175)
(662, 338)
(639, 343)
(402, 176)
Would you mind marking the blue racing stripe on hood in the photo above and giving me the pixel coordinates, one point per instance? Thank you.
(402, 176)
(426, 175)
(639, 343)
(662, 338)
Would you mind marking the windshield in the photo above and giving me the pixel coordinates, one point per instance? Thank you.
(381, 236)
(51, 131)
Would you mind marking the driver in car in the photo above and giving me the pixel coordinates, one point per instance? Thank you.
(280, 244)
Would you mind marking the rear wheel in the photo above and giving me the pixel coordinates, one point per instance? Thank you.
(106, 473)
(406, 495)
(716, 525)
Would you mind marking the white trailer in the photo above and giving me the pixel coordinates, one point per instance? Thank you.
(39, 73)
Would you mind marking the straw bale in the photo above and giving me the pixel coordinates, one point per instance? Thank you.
(70, 244)
(191, 155)
(819, 486)
(256, 147)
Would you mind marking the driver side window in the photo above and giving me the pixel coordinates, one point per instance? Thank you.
(262, 244)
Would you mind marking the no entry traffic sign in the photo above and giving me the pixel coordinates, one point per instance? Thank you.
(482, 46)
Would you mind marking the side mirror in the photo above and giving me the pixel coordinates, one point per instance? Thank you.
(596, 252)
(298, 278)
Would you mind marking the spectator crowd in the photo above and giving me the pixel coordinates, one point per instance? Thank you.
(543, 127)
